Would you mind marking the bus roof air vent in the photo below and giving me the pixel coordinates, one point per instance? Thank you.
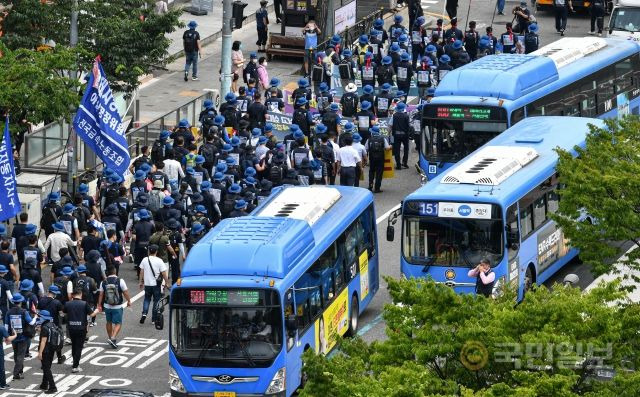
(569, 49)
(491, 165)
(304, 203)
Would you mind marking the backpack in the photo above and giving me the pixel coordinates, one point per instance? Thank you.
(300, 118)
(317, 73)
(155, 200)
(228, 204)
(330, 119)
(80, 213)
(376, 148)
(470, 40)
(112, 292)
(48, 217)
(208, 151)
(275, 173)
(111, 195)
(55, 340)
(83, 283)
(530, 42)
(157, 151)
(349, 105)
(230, 116)
(189, 40)
(61, 283)
(250, 72)
(299, 154)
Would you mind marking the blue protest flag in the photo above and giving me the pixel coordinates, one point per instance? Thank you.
(9, 201)
(98, 123)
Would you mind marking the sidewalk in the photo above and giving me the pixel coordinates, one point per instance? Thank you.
(210, 25)
(168, 91)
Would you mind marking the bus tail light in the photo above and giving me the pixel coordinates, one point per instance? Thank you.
(174, 381)
(279, 382)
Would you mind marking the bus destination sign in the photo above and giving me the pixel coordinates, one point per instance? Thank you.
(224, 297)
(463, 113)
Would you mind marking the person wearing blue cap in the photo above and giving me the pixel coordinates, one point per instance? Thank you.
(431, 52)
(233, 193)
(4, 335)
(459, 55)
(274, 101)
(56, 240)
(361, 48)
(396, 29)
(331, 119)
(444, 67)
(230, 111)
(160, 147)
(192, 49)
(323, 98)
(239, 209)
(51, 339)
(376, 147)
(531, 40)
(20, 322)
(382, 101)
(418, 37)
(365, 119)
(400, 129)
(403, 43)
(207, 106)
(302, 116)
(423, 76)
(404, 72)
(303, 90)
(310, 32)
(257, 112)
(50, 212)
(368, 70)
(77, 309)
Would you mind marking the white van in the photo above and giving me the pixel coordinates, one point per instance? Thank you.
(625, 20)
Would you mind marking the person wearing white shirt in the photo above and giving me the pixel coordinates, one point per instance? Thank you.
(57, 240)
(152, 269)
(173, 169)
(363, 155)
(348, 161)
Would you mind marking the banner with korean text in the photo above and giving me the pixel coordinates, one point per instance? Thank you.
(9, 201)
(99, 125)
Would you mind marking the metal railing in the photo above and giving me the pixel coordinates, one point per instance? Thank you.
(48, 143)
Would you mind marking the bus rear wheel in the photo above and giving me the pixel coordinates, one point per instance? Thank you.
(353, 316)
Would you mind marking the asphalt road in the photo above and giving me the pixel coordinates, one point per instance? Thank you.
(141, 361)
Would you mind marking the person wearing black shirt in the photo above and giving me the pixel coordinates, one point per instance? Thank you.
(400, 132)
(142, 232)
(257, 113)
(45, 354)
(91, 241)
(77, 311)
(51, 304)
(20, 229)
(6, 259)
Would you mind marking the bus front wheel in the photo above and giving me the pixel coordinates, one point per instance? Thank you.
(353, 317)
(528, 280)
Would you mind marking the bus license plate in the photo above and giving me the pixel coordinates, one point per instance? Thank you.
(224, 394)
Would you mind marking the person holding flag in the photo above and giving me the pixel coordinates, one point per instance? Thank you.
(9, 201)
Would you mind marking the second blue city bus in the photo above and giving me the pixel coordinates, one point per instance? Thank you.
(586, 76)
(257, 291)
(494, 204)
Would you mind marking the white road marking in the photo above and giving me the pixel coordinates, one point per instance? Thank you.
(386, 214)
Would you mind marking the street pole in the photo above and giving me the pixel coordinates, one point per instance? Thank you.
(227, 10)
(72, 155)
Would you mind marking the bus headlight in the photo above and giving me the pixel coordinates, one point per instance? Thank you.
(174, 381)
(279, 382)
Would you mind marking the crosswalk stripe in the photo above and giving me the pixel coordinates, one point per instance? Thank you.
(429, 1)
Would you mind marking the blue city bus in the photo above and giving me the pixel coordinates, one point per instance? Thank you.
(587, 77)
(257, 291)
(494, 204)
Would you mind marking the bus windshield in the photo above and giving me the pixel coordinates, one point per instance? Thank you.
(226, 327)
(454, 131)
(452, 241)
(627, 19)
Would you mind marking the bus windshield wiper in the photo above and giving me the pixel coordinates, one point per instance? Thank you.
(428, 262)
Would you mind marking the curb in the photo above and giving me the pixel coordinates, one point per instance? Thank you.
(212, 38)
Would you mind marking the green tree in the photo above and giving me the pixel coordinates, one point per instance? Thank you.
(442, 343)
(603, 182)
(36, 86)
(127, 35)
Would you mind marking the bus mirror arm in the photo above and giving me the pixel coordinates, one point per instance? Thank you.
(393, 218)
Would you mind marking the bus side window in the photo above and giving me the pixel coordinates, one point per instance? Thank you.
(517, 115)
(539, 212)
(526, 222)
(369, 226)
(288, 311)
(513, 235)
(553, 199)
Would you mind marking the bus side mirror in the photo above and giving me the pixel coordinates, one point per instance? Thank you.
(391, 231)
(291, 323)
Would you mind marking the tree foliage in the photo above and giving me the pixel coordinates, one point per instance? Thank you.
(441, 343)
(603, 183)
(35, 84)
(127, 35)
